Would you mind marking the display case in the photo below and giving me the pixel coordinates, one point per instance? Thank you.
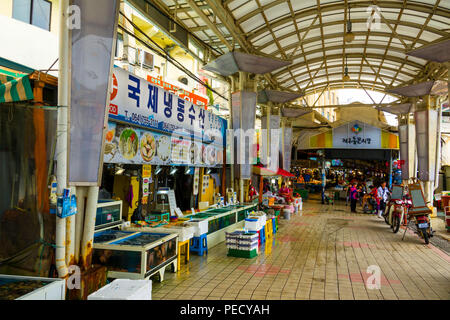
(109, 214)
(31, 288)
(135, 255)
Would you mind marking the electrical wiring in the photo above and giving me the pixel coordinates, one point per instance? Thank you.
(164, 53)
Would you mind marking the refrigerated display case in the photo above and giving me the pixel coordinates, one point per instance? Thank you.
(135, 255)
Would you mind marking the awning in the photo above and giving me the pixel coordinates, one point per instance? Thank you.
(14, 86)
(260, 170)
(284, 173)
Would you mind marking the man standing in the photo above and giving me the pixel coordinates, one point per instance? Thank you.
(383, 195)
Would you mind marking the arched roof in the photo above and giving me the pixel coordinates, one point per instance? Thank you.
(311, 34)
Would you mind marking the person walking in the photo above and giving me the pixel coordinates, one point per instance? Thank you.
(353, 197)
(383, 195)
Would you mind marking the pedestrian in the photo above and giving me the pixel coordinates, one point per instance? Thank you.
(383, 195)
(375, 200)
(353, 197)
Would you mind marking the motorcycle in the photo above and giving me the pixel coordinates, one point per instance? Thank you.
(399, 213)
(423, 226)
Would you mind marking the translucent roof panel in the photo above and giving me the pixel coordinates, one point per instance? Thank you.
(311, 34)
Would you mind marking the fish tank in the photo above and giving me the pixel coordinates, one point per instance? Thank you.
(222, 222)
(135, 255)
(109, 213)
(31, 288)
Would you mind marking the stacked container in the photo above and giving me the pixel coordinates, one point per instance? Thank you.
(242, 244)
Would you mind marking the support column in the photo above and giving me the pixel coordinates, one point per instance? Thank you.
(244, 102)
(426, 118)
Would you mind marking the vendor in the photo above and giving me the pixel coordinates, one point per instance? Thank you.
(285, 192)
(266, 186)
(251, 191)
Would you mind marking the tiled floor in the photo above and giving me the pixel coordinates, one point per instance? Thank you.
(322, 254)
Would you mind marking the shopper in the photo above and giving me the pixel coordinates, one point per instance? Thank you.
(374, 200)
(383, 195)
(353, 197)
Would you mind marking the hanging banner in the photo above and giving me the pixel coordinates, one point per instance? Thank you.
(244, 108)
(426, 132)
(287, 147)
(92, 46)
(406, 133)
(139, 102)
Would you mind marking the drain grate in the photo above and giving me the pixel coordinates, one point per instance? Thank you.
(436, 241)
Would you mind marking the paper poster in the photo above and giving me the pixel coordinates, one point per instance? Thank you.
(145, 187)
(196, 180)
(146, 171)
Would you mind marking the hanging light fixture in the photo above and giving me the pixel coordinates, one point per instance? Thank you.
(349, 35)
(346, 76)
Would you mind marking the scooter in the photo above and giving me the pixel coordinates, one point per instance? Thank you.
(399, 213)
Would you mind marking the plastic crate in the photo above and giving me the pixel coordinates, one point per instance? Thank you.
(243, 253)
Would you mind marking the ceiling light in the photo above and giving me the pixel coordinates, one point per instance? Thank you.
(349, 35)
(173, 171)
(158, 170)
(346, 76)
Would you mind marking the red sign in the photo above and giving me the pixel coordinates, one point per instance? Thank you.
(189, 96)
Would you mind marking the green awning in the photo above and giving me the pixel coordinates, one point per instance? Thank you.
(14, 86)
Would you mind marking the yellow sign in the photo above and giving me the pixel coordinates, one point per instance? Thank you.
(146, 170)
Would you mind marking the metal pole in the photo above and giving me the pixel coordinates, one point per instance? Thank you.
(390, 169)
(61, 131)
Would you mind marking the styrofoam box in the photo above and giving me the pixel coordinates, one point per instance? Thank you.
(201, 226)
(124, 289)
(261, 221)
(252, 224)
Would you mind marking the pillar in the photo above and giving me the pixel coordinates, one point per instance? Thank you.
(243, 117)
(426, 118)
(407, 131)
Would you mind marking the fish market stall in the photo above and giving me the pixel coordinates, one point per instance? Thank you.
(31, 288)
(135, 255)
(219, 221)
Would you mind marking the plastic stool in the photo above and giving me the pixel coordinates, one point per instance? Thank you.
(274, 225)
(184, 244)
(199, 244)
(262, 235)
(269, 232)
